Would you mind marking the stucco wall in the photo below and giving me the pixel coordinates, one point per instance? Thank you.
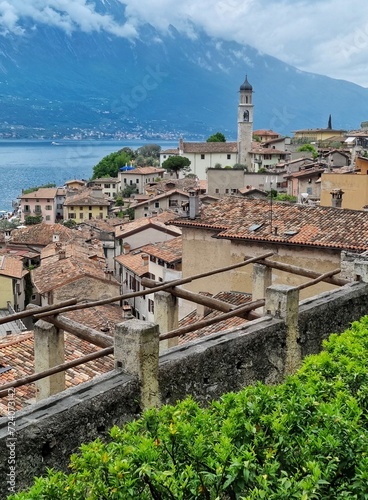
(354, 186)
(6, 291)
(201, 255)
(48, 432)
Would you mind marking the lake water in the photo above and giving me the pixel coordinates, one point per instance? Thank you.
(24, 164)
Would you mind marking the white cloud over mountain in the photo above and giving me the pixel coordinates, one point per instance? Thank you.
(329, 37)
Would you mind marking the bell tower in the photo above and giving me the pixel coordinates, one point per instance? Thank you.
(245, 123)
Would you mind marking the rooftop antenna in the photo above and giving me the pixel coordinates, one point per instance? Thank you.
(271, 182)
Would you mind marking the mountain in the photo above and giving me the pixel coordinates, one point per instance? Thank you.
(54, 84)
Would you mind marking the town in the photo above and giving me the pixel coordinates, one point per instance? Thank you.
(145, 246)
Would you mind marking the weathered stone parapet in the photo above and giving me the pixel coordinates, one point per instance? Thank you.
(361, 270)
(282, 301)
(136, 352)
(166, 316)
(48, 352)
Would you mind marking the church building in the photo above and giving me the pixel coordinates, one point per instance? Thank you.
(204, 155)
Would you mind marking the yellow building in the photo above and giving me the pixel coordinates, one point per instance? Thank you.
(353, 187)
(318, 134)
(85, 205)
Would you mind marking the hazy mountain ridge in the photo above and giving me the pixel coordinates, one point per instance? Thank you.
(159, 82)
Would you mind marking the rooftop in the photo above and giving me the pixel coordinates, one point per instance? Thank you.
(210, 147)
(326, 227)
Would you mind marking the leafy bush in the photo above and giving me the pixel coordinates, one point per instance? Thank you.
(36, 188)
(304, 439)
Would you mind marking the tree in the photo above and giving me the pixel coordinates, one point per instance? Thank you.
(177, 164)
(70, 223)
(31, 220)
(149, 150)
(240, 166)
(129, 190)
(109, 165)
(218, 137)
(36, 188)
(310, 148)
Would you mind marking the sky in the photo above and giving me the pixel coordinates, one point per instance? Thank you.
(329, 37)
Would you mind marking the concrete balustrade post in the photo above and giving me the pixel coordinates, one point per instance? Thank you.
(49, 351)
(136, 352)
(282, 301)
(166, 316)
(261, 280)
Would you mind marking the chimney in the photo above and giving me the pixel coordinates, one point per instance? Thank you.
(145, 258)
(61, 254)
(336, 198)
(193, 204)
(126, 248)
(55, 237)
(127, 312)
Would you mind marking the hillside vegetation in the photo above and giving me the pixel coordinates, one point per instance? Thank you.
(304, 439)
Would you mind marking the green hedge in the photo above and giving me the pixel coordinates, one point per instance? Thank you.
(304, 439)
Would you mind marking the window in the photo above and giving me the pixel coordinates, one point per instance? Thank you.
(71, 208)
(226, 191)
(81, 215)
(125, 181)
(37, 208)
(228, 157)
(101, 215)
(26, 208)
(89, 208)
(71, 216)
(151, 306)
(59, 206)
(131, 182)
(217, 190)
(48, 207)
(107, 186)
(137, 181)
(48, 217)
(203, 157)
(48, 201)
(173, 203)
(157, 204)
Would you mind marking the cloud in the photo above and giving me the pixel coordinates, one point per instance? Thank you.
(68, 15)
(329, 37)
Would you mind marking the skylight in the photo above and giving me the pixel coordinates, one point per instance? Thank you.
(254, 227)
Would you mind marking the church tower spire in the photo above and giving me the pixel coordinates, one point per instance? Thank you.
(245, 123)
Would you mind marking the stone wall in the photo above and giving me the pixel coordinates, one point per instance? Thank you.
(48, 432)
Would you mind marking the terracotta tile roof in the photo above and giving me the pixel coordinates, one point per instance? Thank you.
(105, 180)
(262, 131)
(158, 221)
(79, 249)
(102, 318)
(42, 234)
(106, 225)
(210, 147)
(308, 172)
(12, 266)
(296, 224)
(134, 262)
(143, 171)
(170, 152)
(55, 274)
(170, 251)
(167, 194)
(168, 185)
(42, 193)
(248, 191)
(17, 352)
(267, 151)
(75, 181)
(234, 298)
(85, 197)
